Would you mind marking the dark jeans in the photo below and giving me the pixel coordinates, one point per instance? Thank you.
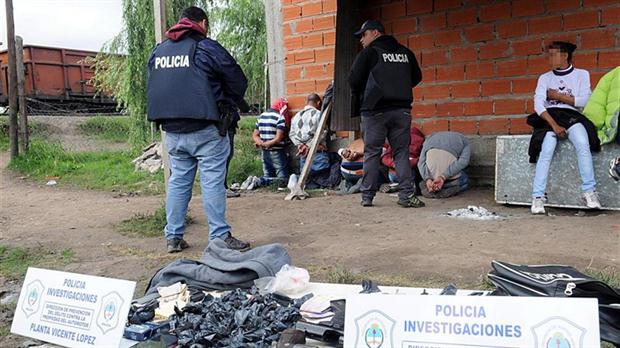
(231, 138)
(395, 125)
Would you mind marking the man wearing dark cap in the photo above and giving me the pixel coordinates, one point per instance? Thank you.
(381, 80)
(190, 78)
(560, 94)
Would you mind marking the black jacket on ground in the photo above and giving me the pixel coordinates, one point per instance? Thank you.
(365, 62)
(564, 118)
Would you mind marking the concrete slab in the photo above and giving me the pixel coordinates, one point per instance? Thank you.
(514, 174)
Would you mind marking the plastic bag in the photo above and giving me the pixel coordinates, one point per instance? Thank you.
(289, 281)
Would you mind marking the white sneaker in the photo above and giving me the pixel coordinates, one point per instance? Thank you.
(591, 199)
(292, 181)
(538, 205)
(255, 183)
(246, 183)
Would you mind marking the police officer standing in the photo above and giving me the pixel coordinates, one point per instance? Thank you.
(381, 79)
(192, 80)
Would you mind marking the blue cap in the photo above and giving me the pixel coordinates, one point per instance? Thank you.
(370, 25)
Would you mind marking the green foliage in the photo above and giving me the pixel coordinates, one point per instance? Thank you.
(246, 160)
(148, 225)
(111, 128)
(239, 25)
(14, 261)
(104, 170)
(120, 69)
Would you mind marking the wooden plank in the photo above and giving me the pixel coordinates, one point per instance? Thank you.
(12, 82)
(347, 47)
(21, 96)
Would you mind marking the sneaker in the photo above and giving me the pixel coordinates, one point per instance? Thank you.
(613, 168)
(591, 199)
(236, 244)
(366, 202)
(246, 183)
(175, 245)
(389, 188)
(411, 202)
(232, 194)
(256, 183)
(538, 206)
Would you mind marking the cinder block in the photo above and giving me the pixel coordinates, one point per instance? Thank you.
(514, 174)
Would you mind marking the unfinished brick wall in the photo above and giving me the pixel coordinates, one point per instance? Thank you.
(310, 42)
(480, 58)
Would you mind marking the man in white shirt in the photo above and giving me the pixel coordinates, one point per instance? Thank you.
(303, 127)
(559, 94)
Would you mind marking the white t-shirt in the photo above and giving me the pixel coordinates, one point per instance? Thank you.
(575, 83)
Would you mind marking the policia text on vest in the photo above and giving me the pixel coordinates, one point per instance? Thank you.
(172, 62)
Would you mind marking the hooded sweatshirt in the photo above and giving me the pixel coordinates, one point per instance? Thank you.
(364, 63)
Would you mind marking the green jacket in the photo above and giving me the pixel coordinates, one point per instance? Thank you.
(604, 106)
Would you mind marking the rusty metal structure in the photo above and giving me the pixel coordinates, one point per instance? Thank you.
(57, 79)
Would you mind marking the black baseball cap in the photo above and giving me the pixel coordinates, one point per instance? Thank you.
(370, 25)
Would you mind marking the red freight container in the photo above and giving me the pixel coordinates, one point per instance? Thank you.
(54, 74)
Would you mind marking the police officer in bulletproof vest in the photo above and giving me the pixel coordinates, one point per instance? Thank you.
(381, 79)
(190, 75)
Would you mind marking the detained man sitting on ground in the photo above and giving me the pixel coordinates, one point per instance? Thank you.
(352, 166)
(269, 137)
(443, 158)
(559, 93)
(387, 159)
(303, 128)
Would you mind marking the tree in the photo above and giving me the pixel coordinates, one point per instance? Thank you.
(120, 68)
(239, 25)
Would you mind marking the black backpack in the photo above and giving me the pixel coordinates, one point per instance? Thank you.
(560, 281)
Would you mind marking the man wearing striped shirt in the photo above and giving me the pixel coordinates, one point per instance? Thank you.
(269, 136)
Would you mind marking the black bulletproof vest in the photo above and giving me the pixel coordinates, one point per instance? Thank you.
(389, 79)
(176, 87)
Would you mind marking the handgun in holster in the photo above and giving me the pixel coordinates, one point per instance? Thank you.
(227, 114)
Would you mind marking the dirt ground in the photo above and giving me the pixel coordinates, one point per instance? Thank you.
(323, 231)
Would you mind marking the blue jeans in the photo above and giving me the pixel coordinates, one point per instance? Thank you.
(275, 167)
(578, 136)
(206, 150)
(462, 182)
(319, 163)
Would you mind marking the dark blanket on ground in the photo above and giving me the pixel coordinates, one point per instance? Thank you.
(564, 118)
(223, 269)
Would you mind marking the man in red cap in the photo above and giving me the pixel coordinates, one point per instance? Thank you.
(269, 136)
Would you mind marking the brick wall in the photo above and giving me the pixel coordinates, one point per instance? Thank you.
(309, 40)
(480, 58)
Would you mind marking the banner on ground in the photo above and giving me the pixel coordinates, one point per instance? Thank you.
(72, 310)
(400, 321)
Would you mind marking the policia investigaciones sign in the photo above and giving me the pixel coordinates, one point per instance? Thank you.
(72, 310)
(400, 321)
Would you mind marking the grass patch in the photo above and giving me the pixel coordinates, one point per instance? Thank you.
(607, 275)
(14, 261)
(35, 130)
(247, 159)
(7, 311)
(104, 170)
(110, 128)
(342, 275)
(148, 225)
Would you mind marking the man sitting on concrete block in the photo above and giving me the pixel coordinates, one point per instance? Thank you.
(559, 93)
(444, 157)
